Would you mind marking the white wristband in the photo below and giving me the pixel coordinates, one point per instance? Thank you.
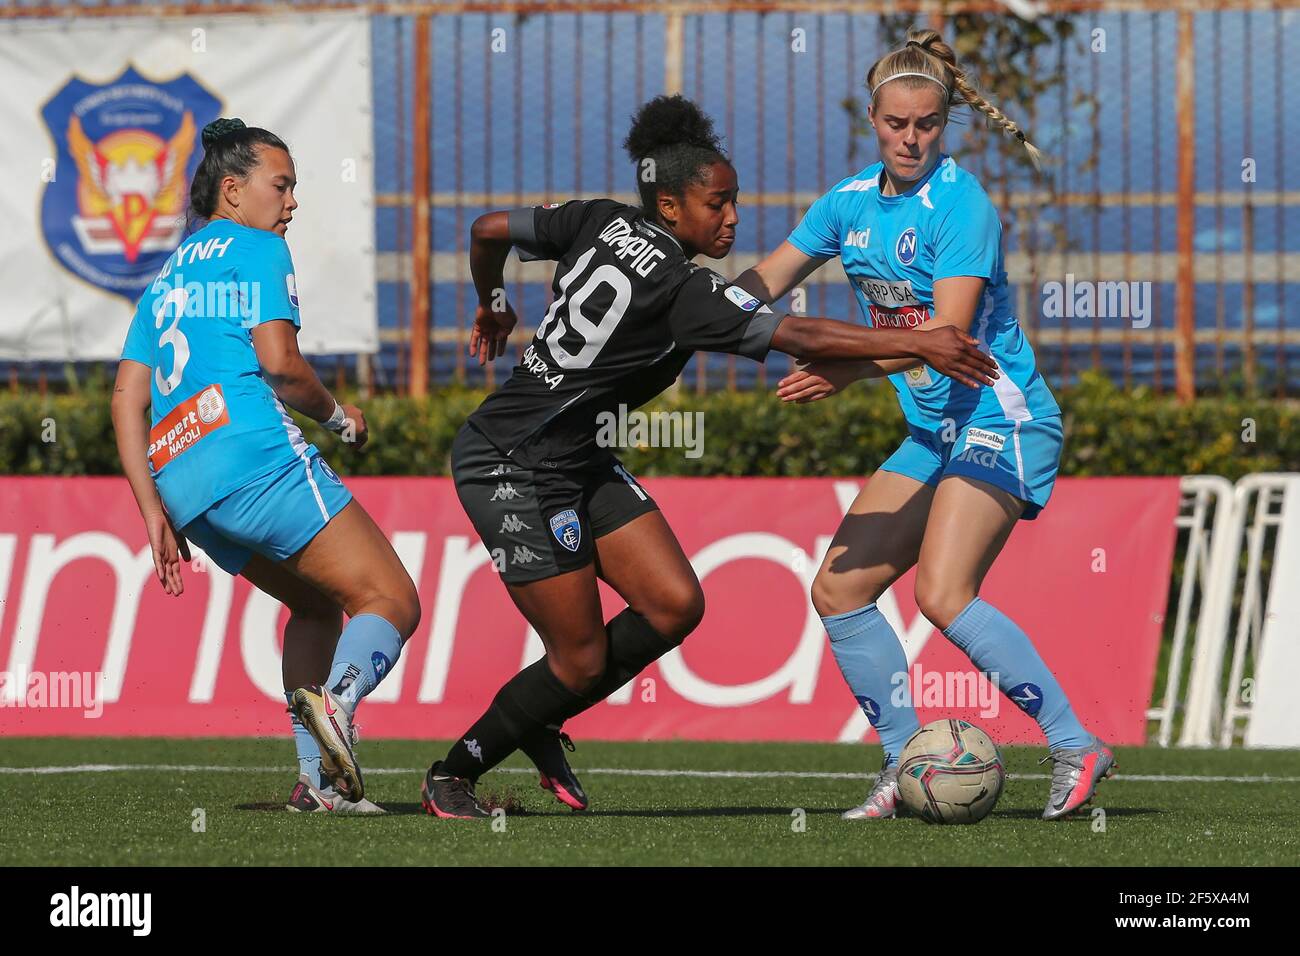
(336, 421)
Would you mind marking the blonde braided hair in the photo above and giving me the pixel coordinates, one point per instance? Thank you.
(926, 53)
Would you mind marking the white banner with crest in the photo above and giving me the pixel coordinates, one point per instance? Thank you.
(101, 120)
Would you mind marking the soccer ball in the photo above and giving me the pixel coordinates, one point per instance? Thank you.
(950, 772)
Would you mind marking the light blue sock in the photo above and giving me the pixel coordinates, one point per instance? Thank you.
(305, 744)
(367, 650)
(997, 646)
(872, 661)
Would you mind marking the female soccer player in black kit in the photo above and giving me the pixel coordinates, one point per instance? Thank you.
(557, 511)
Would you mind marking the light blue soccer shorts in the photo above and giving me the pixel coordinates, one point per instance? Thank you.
(1019, 457)
(274, 516)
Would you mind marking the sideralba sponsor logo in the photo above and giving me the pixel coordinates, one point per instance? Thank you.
(75, 909)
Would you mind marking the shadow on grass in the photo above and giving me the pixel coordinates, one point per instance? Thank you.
(412, 809)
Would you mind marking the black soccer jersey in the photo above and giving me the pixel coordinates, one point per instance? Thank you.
(629, 309)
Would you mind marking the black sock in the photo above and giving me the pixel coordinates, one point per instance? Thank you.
(633, 646)
(528, 702)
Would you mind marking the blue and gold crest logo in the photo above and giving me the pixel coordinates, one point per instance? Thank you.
(130, 147)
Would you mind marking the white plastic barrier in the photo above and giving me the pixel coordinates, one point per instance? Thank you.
(1226, 524)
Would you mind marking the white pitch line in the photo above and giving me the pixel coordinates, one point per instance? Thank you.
(623, 772)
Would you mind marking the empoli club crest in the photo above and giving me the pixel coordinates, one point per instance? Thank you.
(126, 153)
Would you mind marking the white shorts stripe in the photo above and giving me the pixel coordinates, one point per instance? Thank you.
(1020, 461)
(311, 479)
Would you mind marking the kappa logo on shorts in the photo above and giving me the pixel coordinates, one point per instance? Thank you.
(525, 555)
(984, 457)
(511, 524)
(498, 471)
(566, 529)
(505, 492)
(987, 439)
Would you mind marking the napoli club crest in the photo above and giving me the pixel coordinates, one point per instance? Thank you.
(905, 247)
(126, 153)
(566, 529)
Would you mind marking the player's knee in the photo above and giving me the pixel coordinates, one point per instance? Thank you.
(679, 613)
(832, 594)
(580, 666)
(408, 610)
(939, 601)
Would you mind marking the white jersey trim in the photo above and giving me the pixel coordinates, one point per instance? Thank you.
(1009, 394)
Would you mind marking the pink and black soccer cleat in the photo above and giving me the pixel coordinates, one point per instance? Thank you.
(546, 750)
(450, 798)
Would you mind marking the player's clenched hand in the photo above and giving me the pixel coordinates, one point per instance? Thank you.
(355, 430)
(491, 330)
(950, 351)
(169, 550)
(811, 381)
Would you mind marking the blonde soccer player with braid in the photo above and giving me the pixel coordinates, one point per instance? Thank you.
(921, 243)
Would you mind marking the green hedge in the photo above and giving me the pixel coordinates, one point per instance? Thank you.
(1108, 432)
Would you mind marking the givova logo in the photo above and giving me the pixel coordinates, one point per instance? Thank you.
(985, 457)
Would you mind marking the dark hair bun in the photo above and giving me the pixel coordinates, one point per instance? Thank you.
(219, 128)
(667, 121)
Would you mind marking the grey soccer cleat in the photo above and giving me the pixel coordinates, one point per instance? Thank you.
(1075, 775)
(882, 801)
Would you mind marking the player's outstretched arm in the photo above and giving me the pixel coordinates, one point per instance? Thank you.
(947, 350)
(780, 272)
(296, 384)
(489, 246)
(955, 302)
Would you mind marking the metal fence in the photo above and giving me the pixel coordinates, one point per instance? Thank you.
(1167, 123)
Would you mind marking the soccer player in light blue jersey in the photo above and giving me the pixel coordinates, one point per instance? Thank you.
(212, 357)
(922, 245)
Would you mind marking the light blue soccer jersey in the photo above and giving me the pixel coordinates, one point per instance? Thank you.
(894, 248)
(217, 425)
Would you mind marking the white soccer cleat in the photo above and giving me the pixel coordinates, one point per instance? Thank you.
(308, 798)
(882, 801)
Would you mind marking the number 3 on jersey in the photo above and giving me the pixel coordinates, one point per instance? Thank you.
(174, 337)
(594, 334)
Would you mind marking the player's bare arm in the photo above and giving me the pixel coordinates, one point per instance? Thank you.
(955, 302)
(296, 383)
(494, 319)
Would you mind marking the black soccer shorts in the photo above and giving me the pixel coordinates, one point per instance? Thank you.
(537, 521)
